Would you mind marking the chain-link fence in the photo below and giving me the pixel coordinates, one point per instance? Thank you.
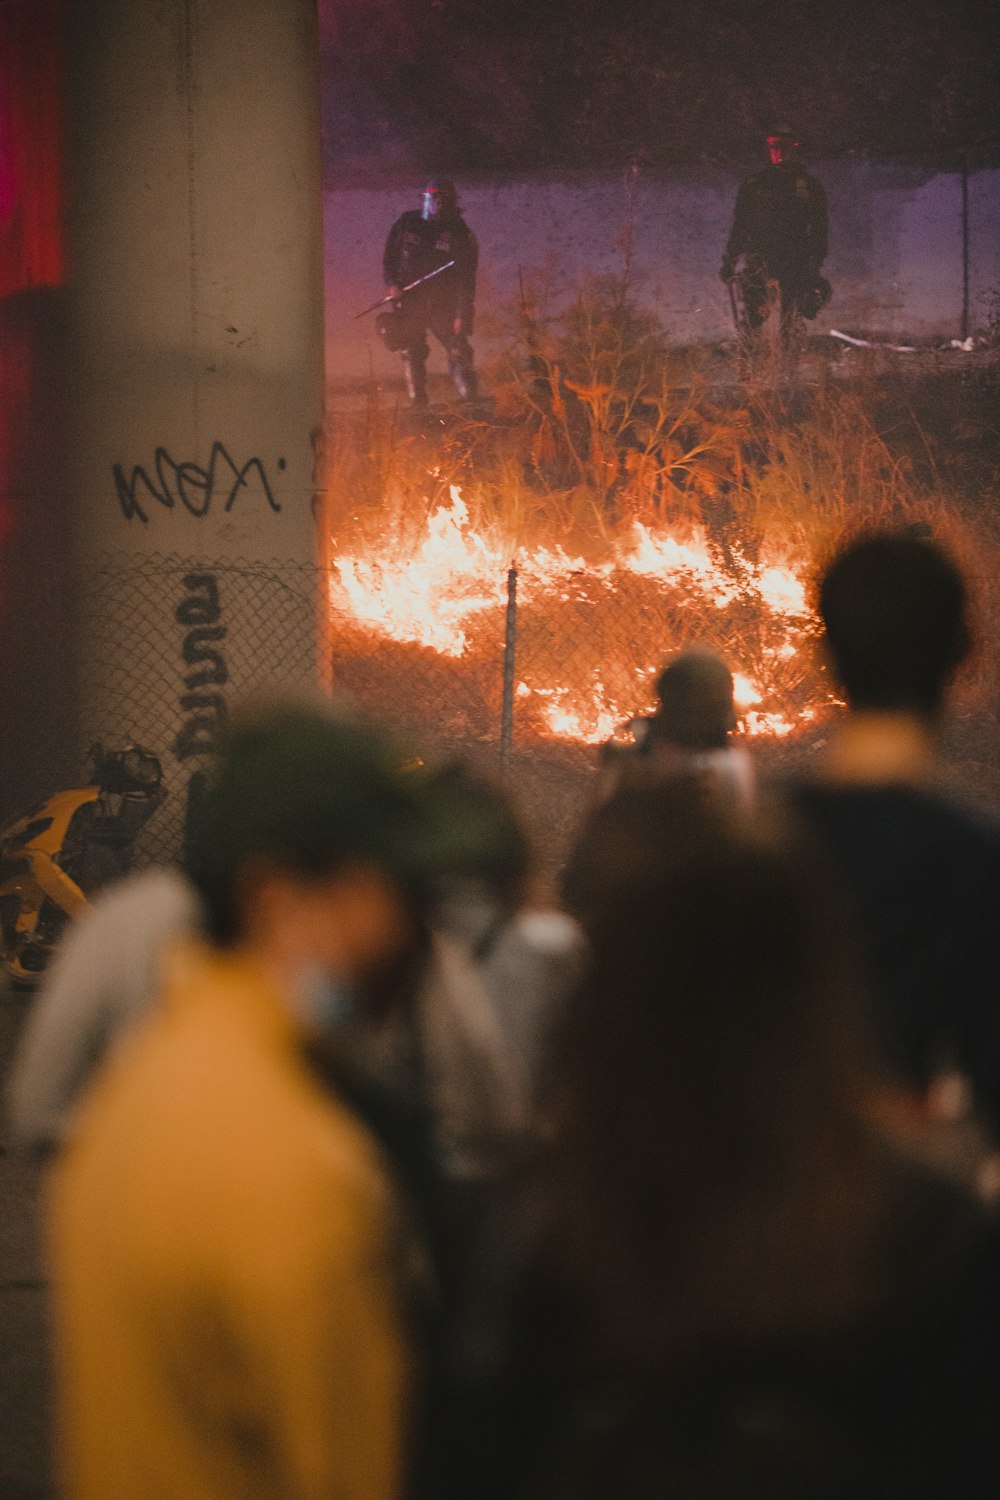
(170, 644)
(525, 679)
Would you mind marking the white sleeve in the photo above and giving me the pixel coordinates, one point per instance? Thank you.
(103, 976)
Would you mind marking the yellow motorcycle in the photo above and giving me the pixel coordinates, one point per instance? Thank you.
(55, 855)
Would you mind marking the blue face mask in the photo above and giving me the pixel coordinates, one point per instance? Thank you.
(324, 1002)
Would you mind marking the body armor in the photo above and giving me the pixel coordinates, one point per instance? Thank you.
(419, 243)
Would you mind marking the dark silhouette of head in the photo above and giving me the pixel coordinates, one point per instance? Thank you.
(696, 708)
(894, 609)
(300, 788)
(489, 849)
(783, 146)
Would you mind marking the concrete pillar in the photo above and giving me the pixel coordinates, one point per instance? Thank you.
(195, 235)
(37, 625)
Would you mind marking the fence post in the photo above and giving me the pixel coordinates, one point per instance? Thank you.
(509, 663)
(964, 331)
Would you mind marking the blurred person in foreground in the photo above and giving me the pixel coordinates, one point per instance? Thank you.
(470, 1049)
(689, 734)
(739, 1288)
(458, 1053)
(923, 872)
(522, 953)
(225, 1241)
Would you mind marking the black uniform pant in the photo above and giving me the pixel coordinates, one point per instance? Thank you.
(794, 283)
(416, 351)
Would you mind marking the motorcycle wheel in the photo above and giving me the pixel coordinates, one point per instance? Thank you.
(16, 976)
(24, 957)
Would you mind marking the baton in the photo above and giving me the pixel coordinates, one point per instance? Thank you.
(737, 302)
(394, 296)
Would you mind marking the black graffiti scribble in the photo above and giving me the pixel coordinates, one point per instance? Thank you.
(200, 611)
(202, 607)
(189, 484)
(195, 650)
(199, 734)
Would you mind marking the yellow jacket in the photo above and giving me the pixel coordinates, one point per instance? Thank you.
(224, 1262)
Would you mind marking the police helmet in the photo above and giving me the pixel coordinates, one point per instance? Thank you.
(439, 198)
(783, 144)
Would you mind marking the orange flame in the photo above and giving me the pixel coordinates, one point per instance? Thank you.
(430, 592)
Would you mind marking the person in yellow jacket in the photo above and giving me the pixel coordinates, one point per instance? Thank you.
(225, 1245)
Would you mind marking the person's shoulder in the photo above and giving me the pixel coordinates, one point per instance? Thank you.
(336, 1146)
(458, 228)
(410, 218)
(258, 1132)
(109, 955)
(968, 829)
(925, 804)
(928, 813)
(755, 181)
(944, 1242)
(159, 890)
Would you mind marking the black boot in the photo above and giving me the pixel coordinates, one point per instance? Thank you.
(415, 377)
(464, 378)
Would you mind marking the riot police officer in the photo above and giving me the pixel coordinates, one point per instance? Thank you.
(420, 243)
(779, 234)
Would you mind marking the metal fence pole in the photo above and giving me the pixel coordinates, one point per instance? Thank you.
(964, 333)
(509, 662)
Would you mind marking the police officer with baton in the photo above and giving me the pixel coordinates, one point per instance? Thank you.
(429, 267)
(778, 241)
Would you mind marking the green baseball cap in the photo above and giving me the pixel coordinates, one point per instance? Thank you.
(309, 786)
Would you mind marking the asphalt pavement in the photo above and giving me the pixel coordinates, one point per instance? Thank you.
(25, 1356)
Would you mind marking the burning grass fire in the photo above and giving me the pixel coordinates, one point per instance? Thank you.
(644, 507)
(638, 507)
(426, 608)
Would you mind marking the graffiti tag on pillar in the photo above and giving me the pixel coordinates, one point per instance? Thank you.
(204, 713)
(188, 484)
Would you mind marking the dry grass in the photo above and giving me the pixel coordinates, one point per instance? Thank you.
(597, 426)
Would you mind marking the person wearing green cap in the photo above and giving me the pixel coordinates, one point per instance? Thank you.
(228, 1291)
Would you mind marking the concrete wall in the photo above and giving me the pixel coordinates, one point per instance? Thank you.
(896, 258)
(196, 246)
(196, 350)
